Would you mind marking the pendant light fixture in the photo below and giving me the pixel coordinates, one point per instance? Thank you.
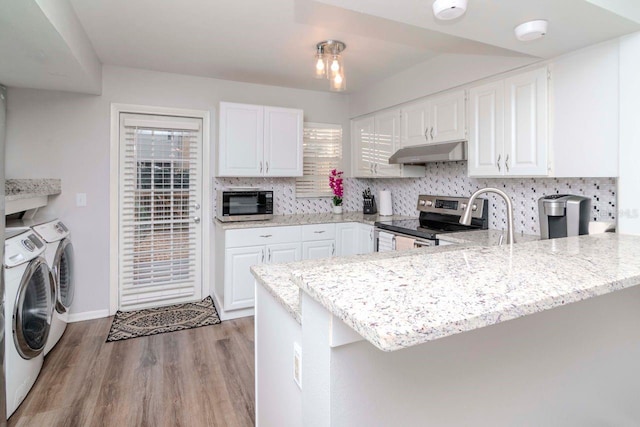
(329, 65)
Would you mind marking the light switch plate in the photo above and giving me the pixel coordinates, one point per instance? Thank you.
(297, 364)
(81, 199)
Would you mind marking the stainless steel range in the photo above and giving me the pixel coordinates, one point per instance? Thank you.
(438, 215)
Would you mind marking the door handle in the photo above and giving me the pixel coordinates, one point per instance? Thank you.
(196, 219)
(431, 133)
(498, 163)
(506, 163)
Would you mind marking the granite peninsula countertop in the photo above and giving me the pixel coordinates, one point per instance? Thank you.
(426, 296)
(484, 237)
(17, 189)
(305, 219)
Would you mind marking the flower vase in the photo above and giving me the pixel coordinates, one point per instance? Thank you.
(337, 210)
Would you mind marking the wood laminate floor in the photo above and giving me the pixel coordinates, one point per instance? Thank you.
(197, 377)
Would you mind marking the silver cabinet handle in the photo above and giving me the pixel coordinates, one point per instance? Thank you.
(260, 166)
(269, 252)
(333, 249)
(263, 255)
(431, 133)
(319, 231)
(506, 163)
(426, 134)
(498, 163)
(371, 167)
(375, 168)
(267, 171)
(266, 235)
(196, 219)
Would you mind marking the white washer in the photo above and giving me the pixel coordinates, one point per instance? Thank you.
(59, 256)
(28, 312)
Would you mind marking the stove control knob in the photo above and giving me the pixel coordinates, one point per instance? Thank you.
(422, 202)
(474, 207)
(429, 203)
(463, 206)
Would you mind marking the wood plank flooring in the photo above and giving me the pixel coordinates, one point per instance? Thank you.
(197, 377)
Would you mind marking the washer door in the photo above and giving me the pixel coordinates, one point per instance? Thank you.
(32, 312)
(63, 274)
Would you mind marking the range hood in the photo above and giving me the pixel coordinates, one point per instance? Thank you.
(428, 153)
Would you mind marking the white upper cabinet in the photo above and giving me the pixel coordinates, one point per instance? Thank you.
(439, 118)
(257, 141)
(508, 126)
(374, 139)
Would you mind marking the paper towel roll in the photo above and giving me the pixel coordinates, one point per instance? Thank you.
(385, 207)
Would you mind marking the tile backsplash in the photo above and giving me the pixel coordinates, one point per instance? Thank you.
(447, 179)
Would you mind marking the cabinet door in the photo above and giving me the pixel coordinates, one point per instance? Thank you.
(238, 281)
(282, 141)
(347, 239)
(365, 239)
(447, 117)
(363, 146)
(240, 143)
(486, 130)
(387, 142)
(318, 249)
(284, 252)
(415, 124)
(526, 109)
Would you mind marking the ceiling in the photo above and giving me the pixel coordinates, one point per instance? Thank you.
(272, 42)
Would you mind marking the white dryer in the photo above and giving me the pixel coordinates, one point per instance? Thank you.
(59, 256)
(28, 312)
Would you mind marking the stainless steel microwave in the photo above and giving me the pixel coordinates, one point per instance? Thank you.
(244, 205)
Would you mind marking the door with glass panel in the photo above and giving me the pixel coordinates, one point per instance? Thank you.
(160, 198)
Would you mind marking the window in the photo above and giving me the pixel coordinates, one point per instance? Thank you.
(322, 153)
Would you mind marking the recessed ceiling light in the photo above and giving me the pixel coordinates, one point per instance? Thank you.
(531, 30)
(449, 9)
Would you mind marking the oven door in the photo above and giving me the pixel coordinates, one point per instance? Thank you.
(418, 243)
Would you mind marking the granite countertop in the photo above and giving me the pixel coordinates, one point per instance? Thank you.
(305, 219)
(426, 296)
(17, 189)
(484, 237)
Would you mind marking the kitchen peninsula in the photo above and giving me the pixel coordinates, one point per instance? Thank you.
(422, 338)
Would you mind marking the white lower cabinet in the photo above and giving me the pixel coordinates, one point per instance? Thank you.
(318, 249)
(239, 293)
(353, 238)
(365, 239)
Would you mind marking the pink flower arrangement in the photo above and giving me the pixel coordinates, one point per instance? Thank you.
(336, 184)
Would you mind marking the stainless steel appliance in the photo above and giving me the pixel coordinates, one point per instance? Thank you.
(247, 204)
(563, 215)
(438, 215)
(3, 389)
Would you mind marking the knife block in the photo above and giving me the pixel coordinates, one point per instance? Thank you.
(369, 206)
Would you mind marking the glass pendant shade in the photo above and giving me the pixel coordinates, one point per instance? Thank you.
(338, 83)
(335, 66)
(320, 66)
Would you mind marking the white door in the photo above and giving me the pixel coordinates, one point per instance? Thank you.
(347, 239)
(241, 140)
(363, 141)
(239, 283)
(160, 197)
(387, 137)
(415, 124)
(447, 117)
(365, 239)
(318, 249)
(282, 141)
(526, 109)
(284, 252)
(486, 130)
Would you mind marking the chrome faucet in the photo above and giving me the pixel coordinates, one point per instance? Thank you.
(466, 217)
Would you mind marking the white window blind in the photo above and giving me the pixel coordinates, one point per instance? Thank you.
(322, 153)
(159, 192)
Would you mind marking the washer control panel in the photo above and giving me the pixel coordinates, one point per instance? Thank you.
(22, 248)
(52, 231)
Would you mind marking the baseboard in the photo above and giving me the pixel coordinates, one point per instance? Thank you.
(88, 315)
(229, 315)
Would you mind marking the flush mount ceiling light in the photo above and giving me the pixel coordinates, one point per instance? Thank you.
(329, 65)
(531, 30)
(446, 10)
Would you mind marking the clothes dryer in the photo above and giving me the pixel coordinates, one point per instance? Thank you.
(28, 312)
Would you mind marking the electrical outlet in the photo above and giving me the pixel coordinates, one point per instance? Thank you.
(81, 199)
(297, 364)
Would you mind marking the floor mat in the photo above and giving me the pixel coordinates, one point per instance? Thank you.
(153, 321)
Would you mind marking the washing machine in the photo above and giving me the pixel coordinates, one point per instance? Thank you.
(59, 256)
(28, 312)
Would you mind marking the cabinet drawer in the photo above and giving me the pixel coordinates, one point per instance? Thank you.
(318, 232)
(261, 236)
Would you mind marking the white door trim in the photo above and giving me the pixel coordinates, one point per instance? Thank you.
(114, 207)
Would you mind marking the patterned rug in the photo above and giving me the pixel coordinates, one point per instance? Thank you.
(153, 321)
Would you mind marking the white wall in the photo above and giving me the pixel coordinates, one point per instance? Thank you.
(628, 183)
(435, 75)
(64, 135)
